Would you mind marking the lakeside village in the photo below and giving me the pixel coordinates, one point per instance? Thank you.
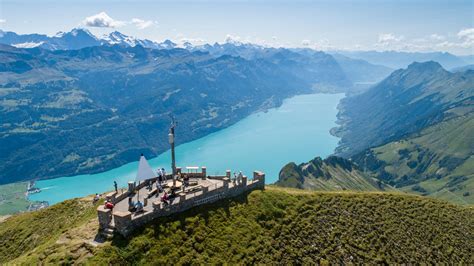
(151, 195)
(34, 205)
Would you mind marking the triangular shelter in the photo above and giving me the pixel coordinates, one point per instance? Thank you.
(144, 170)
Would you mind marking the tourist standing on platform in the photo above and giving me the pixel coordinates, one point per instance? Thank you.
(163, 172)
(160, 176)
(115, 185)
(235, 178)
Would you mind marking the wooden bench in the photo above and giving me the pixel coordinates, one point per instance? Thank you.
(152, 192)
(193, 189)
(192, 183)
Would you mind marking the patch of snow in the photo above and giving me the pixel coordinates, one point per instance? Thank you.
(27, 44)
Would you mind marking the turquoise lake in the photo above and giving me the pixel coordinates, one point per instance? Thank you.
(297, 132)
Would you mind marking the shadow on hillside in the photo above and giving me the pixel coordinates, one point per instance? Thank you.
(203, 211)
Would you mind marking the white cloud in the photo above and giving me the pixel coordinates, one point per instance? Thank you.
(305, 43)
(467, 37)
(437, 37)
(466, 33)
(102, 20)
(386, 39)
(232, 38)
(2, 20)
(463, 40)
(143, 24)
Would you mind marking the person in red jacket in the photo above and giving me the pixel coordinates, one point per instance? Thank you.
(109, 205)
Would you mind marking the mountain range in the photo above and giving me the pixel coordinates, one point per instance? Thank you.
(77, 39)
(396, 59)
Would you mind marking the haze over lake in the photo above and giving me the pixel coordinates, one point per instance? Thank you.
(296, 131)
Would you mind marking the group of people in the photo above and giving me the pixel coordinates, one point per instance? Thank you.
(161, 175)
(238, 178)
(138, 206)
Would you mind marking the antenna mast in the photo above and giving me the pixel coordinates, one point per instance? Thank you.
(171, 140)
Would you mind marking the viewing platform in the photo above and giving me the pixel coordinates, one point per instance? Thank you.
(154, 195)
(186, 191)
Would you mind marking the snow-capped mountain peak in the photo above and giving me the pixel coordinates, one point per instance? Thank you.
(120, 38)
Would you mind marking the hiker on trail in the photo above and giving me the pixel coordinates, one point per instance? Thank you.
(115, 185)
(96, 198)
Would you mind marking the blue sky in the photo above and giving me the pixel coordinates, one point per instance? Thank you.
(325, 25)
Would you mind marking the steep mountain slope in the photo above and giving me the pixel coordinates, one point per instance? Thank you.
(331, 174)
(88, 110)
(404, 103)
(438, 161)
(272, 226)
(414, 130)
(395, 60)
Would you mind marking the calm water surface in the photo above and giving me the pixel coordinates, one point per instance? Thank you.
(297, 131)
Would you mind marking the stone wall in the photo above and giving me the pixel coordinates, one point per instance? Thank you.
(125, 223)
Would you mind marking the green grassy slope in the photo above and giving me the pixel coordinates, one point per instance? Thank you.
(35, 231)
(331, 174)
(438, 162)
(278, 225)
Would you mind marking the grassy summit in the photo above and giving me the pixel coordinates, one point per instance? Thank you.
(276, 225)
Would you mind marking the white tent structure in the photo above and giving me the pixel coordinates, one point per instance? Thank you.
(144, 170)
